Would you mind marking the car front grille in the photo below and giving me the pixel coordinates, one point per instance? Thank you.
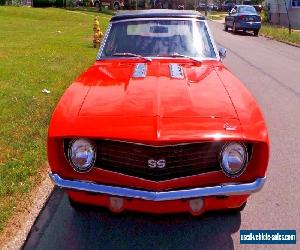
(180, 159)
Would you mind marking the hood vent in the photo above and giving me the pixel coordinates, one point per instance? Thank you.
(140, 70)
(176, 71)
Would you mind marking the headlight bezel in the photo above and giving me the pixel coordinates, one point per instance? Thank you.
(245, 162)
(69, 156)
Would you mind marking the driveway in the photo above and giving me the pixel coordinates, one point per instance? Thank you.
(271, 71)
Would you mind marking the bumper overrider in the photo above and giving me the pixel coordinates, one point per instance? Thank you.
(230, 189)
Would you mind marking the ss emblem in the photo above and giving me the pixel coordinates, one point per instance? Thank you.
(161, 163)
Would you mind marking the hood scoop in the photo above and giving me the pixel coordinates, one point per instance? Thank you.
(140, 70)
(176, 71)
(156, 89)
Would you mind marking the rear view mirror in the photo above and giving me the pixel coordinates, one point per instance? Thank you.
(159, 29)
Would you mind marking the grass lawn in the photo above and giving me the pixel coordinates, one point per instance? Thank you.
(92, 10)
(280, 34)
(39, 48)
(216, 15)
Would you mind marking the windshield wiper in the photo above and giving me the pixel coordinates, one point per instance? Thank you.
(180, 55)
(132, 55)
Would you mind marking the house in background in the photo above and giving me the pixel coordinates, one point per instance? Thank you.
(27, 2)
(279, 11)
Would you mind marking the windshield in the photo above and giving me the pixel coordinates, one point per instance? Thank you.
(155, 38)
(250, 9)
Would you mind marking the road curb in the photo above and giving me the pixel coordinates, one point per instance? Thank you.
(278, 40)
(30, 214)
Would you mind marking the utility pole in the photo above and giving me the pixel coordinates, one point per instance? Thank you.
(278, 11)
(287, 12)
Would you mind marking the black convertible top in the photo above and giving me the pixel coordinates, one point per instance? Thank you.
(155, 13)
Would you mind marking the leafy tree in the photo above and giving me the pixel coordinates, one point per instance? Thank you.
(16, 2)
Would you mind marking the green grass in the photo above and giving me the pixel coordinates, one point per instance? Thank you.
(280, 34)
(216, 15)
(92, 10)
(39, 48)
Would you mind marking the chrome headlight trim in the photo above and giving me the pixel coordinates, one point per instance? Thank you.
(92, 161)
(245, 161)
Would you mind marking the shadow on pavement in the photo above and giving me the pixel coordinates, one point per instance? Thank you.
(61, 227)
(240, 33)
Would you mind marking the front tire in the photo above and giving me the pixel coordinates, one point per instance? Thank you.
(255, 32)
(236, 210)
(78, 207)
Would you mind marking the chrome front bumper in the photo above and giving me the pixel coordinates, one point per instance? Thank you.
(220, 190)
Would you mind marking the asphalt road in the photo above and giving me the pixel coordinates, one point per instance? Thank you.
(271, 71)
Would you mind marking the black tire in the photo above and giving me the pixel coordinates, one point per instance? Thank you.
(236, 210)
(225, 27)
(116, 6)
(97, 5)
(234, 28)
(78, 207)
(255, 32)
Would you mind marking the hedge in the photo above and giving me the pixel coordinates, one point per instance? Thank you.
(47, 3)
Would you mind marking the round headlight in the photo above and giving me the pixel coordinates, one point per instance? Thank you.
(233, 159)
(82, 154)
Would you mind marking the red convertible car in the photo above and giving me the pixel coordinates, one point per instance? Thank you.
(158, 124)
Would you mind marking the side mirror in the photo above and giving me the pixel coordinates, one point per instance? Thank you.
(222, 53)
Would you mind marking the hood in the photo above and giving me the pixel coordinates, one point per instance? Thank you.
(155, 102)
(154, 89)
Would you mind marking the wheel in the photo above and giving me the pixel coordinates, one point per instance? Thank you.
(255, 32)
(234, 28)
(225, 27)
(116, 6)
(236, 210)
(78, 207)
(97, 4)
